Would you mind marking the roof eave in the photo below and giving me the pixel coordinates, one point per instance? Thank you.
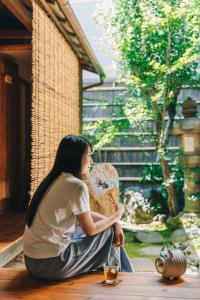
(69, 13)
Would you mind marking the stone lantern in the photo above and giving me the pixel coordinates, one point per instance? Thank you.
(189, 131)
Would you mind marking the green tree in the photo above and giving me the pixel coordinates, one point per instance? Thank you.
(157, 46)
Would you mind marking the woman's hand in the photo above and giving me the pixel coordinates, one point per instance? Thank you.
(119, 209)
(119, 235)
(92, 227)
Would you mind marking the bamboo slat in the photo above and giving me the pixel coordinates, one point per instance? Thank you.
(55, 97)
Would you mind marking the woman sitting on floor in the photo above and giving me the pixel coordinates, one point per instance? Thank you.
(55, 247)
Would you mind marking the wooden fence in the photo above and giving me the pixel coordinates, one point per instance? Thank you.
(124, 152)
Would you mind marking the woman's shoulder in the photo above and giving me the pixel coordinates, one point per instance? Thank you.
(74, 181)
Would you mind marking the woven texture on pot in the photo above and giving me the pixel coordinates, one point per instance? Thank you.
(55, 96)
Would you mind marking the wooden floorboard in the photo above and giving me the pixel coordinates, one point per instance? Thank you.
(17, 284)
(11, 228)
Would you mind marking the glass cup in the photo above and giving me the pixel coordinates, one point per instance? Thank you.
(110, 273)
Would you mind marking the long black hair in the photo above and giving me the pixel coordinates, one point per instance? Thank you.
(68, 159)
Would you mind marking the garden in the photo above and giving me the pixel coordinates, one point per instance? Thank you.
(156, 45)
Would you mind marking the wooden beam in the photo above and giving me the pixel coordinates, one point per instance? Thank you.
(20, 12)
(136, 178)
(14, 34)
(27, 3)
(51, 1)
(11, 48)
(64, 28)
(59, 25)
(134, 148)
(67, 31)
(67, 11)
(59, 14)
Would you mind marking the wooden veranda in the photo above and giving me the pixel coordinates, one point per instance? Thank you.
(17, 284)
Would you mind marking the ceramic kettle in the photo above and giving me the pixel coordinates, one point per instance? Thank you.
(171, 263)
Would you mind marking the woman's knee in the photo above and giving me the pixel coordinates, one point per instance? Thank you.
(109, 231)
(107, 234)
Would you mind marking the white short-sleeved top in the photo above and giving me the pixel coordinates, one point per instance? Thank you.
(56, 217)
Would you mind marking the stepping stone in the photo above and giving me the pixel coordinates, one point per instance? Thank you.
(154, 251)
(179, 236)
(143, 264)
(149, 237)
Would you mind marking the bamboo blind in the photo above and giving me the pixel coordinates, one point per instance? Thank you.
(56, 93)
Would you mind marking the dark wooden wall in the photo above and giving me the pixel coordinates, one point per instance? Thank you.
(9, 134)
